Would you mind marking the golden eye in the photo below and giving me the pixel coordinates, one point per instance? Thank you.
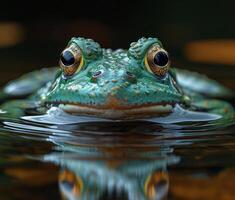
(157, 61)
(71, 60)
(70, 183)
(156, 186)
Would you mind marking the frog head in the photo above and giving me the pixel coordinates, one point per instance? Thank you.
(115, 84)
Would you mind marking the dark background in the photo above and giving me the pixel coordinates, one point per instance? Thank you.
(199, 35)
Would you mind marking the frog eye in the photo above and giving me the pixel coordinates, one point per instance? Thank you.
(157, 61)
(71, 60)
(70, 183)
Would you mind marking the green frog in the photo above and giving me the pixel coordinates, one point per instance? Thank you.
(120, 84)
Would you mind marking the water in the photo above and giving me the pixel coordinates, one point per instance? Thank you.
(136, 160)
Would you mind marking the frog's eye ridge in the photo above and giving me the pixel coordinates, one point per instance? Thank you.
(157, 61)
(71, 60)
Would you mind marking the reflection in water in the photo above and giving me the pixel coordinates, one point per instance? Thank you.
(110, 178)
(136, 160)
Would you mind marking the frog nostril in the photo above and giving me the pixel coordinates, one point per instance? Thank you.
(130, 76)
(96, 74)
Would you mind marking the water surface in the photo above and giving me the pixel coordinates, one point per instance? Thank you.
(116, 160)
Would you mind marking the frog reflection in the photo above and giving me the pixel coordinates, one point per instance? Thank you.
(73, 186)
(143, 178)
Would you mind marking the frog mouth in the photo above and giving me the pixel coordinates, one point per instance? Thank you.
(111, 112)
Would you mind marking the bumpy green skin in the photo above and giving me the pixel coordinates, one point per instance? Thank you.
(125, 83)
(114, 83)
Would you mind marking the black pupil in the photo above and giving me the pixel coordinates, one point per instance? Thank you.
(161, 59)
(67, 58)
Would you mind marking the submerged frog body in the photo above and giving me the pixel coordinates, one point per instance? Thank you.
(122, 84)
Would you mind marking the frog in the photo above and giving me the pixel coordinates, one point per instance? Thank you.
(121, 84)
